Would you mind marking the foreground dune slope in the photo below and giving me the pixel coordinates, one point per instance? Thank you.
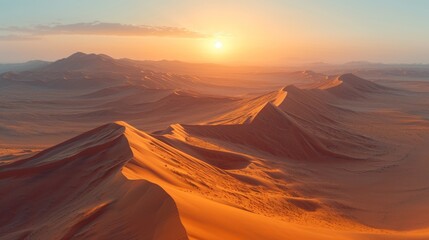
(76, 190)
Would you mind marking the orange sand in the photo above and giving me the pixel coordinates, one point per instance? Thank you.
(337, 158)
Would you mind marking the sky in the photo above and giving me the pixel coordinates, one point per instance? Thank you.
(269, 32)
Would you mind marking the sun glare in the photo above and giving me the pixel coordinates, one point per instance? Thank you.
(218, 44)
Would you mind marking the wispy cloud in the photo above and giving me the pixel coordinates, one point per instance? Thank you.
(14, 37)
(96, 28)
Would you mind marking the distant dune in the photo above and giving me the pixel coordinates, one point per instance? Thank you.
(19, 67)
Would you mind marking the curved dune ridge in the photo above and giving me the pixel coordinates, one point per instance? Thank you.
(96, 200)
(300, 124)
(352, 86)
(272, 131)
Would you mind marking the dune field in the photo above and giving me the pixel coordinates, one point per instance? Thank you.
(93, 147)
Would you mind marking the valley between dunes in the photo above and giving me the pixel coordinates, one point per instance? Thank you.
(156, 154)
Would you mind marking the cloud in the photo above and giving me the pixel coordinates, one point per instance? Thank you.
(98, 28)
(14, 37)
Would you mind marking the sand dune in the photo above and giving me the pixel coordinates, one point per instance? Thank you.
(352, 86)
(271, 131)
(294, 123)
(95, 201)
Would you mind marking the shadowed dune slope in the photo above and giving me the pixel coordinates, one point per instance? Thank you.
(271, 131)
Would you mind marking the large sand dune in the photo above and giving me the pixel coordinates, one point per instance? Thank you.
(84, 194)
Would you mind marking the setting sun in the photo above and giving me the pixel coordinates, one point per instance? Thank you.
(218, 44)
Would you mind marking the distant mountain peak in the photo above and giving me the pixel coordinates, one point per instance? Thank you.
(80, 61)
(77, 55)
(89, 56)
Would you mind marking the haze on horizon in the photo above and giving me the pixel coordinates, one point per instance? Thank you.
(251, 32)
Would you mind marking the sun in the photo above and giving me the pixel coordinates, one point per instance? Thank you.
(218, 44)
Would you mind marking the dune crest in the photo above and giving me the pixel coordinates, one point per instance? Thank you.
(351, 86)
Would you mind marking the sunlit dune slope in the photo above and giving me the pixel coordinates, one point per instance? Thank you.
(83, 194)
